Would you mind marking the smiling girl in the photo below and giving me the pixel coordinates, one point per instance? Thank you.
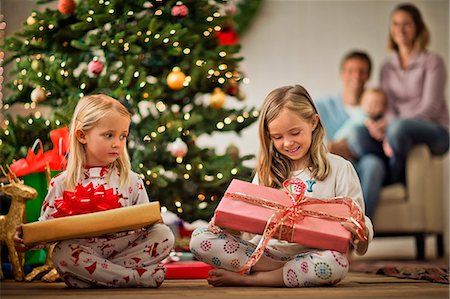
(291, 146)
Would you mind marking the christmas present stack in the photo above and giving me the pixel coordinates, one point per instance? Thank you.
(90, 212)
(287, 215)
(35, 170)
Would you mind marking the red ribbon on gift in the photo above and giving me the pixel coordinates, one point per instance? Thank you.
(86, 199)
(54, 158)
(282, 221)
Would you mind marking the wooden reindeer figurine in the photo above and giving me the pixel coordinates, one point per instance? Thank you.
(19, 194)
(47, 271)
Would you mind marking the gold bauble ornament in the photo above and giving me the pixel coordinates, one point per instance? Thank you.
(36, 65)
(217, 98)
(31, 20)
(175, 79)
(38, 95)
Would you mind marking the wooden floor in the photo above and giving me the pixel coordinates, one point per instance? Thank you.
(356, 285)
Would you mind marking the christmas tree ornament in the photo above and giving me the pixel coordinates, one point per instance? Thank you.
(217, 99)
(227, 36)
(31, 21)
(232, 151)
(233, 87)
(230, 9)
(38, 95)
(36, 65)
(180, 10)
(175, 79)
(66, 7)
(95, 67)
(178, 148)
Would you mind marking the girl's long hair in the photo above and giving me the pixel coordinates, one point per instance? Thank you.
(89, 110)
(274, 168)
(422, 38)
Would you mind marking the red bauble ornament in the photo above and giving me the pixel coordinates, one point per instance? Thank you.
(233, 87)
(227, 37)
(95, 67)
(180, 10)
(66, 7)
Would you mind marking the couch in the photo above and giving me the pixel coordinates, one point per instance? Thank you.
(417, 209)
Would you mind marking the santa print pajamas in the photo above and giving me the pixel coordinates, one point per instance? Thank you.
(131, 260)
(312, 268)
(125, 259)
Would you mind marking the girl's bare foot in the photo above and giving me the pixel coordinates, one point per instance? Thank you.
(221, 277)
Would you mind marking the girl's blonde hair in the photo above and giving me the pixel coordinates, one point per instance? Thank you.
(88, 112)
(274, 168)
(422, 37)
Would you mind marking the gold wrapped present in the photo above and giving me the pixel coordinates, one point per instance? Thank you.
(92, 224)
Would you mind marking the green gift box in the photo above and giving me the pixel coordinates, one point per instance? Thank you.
(37, 181)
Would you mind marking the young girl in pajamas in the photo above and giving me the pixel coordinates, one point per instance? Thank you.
(98, 156)
(291, 137)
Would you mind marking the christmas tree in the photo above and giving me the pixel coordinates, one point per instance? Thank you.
(173, 64)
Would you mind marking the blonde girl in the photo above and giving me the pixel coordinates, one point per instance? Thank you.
(98, 156)
(291, 146)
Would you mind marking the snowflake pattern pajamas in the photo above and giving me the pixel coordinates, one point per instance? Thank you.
(312, 268)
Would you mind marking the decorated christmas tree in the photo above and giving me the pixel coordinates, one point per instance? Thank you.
(173, 64)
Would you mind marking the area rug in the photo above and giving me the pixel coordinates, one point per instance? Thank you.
(435, 271)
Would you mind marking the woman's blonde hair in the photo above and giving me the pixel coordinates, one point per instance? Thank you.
(274, 168)
(422, 37)
(88, 112)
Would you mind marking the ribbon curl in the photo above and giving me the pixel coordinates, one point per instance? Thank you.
(283, 220)
(85, 199)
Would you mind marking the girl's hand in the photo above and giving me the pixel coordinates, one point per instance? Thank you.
(213, 227)
(361, 244)
(18, 242)
(217, 230)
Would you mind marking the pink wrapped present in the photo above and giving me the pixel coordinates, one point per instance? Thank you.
(287, 215)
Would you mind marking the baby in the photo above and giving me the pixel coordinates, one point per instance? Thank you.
(372, 106)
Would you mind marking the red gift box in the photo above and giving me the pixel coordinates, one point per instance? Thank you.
(311, 228)
(187, 270)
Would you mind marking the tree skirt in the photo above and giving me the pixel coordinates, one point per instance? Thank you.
(434, 271)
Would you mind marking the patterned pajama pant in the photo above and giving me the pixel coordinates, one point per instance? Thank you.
(130, 260)
(313, 268)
